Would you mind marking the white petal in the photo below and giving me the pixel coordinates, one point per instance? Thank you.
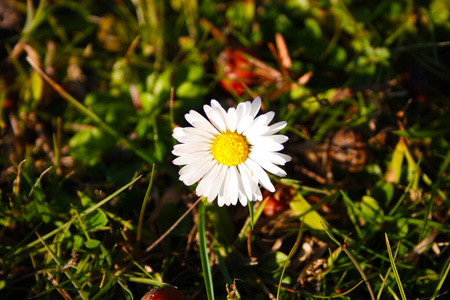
(188, 158)
(241, 190)
(262, 176)
(219, 109)
(220, 200)
(246, 180)
(233, 186)
(264, 142)
(259, 125)
(217, 184)
(242, 199)
(198, 121)
(191, 131)
(232, 119)
(258, 195)
(244, 124)
(241, 194)
(207, 181)
(184, 136)
(181, 149)
(192, 167)
(226, 190)
(253, 182)
(286, 157)
(268, 117)
(221, 195)
(267, 165)
(243, 109)
(255, 130)
(178, 132)
(216, 119)
(279, 138)
(256, 105)
(274, 128)
(189, 178)
(273, 157)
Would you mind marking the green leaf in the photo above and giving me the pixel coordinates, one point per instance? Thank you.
(162, 85)
(122, 73)
(395, 166)
(240, 15)
(33, 93)
(96, 220)
(115, 109)
(384, 192)
(149, 102)
(88, 145)
(92, 244)
(307, 214)
(370, 210)
(274, 261)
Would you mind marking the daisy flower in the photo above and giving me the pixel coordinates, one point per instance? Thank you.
(229, 153)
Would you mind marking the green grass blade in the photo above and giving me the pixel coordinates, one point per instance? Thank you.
(386, 276)
(144, 204)
(441, 281)
(394, 295)
(34, 18)
(342, 295)
(224, 270)
(127, 293)
(39, 180)
(354, 261)
(394, 268)
(288, 260)
(94, 207)
(147, 281)
(250, 211)
(68, 272)
(204, 251)
(248, 223)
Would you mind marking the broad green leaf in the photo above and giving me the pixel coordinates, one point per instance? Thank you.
(370, 210)
(95, 220)
(309, 216)
(92, 244)
(395, 166)
(274, 261)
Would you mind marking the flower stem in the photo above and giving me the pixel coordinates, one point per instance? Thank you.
(204, 252)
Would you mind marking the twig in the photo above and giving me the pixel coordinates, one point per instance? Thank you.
(162, 237)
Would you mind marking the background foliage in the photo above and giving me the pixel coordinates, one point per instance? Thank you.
(87, 184)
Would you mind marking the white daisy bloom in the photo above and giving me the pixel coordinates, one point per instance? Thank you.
(230, 153)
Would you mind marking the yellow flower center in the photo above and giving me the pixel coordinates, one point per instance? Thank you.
(230, 149)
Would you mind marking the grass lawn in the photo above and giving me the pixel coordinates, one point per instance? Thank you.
(120, 175)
